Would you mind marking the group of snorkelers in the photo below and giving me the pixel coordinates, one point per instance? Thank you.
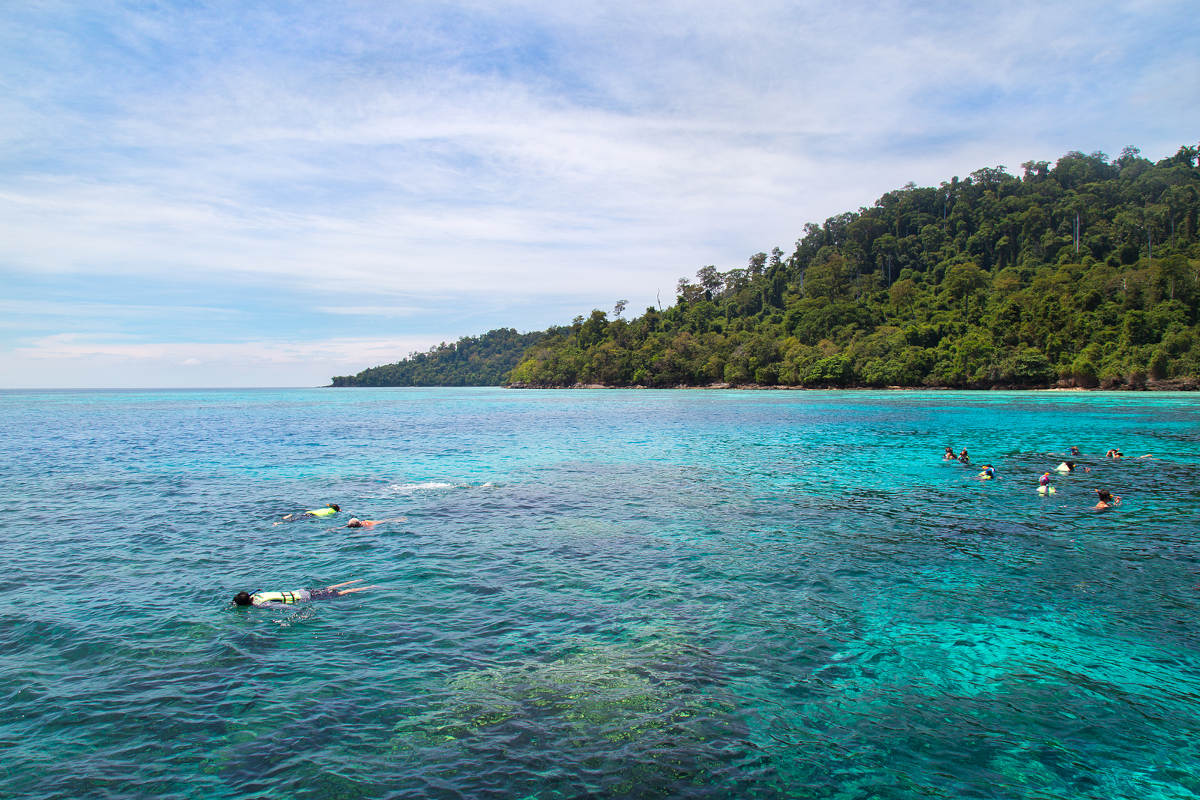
(963, 457)
(286, 598)
(1105, 499)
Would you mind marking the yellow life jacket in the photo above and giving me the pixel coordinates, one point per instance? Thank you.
(260, 598)
(322, 512)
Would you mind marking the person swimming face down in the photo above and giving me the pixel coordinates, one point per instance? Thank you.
(299, 595)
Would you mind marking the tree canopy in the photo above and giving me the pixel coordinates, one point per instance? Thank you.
(471, 361)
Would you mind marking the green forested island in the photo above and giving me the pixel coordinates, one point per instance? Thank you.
(1082, 273)
(471, 361)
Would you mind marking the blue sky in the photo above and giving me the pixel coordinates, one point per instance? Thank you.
(269, 194)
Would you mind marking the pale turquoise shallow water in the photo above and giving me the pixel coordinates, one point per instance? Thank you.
(598, 593)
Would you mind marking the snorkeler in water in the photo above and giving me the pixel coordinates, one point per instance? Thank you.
(328, 511)
(356, 522)
(949, 454)
(297, 596)
(1106, 500)
(1118, 455)
(1074, 450)
(988, 473)
(963, 457)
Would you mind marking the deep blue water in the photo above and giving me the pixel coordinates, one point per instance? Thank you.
(598, 593)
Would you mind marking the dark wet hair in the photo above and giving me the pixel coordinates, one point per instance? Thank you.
(1071, 465)
(1104, 494)
(242, 599)
(335, 506)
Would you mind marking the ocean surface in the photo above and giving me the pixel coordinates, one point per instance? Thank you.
(716, 594)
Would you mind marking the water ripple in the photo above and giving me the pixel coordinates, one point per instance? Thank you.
(598, 594)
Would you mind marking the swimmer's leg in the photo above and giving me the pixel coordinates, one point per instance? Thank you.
(347, 583)
(356, 589)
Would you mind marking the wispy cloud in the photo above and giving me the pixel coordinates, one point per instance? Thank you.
(84, 309)
(373, 311)
(102, 360)
(254, 353)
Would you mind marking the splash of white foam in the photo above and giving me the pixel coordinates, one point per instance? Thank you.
(421, 487)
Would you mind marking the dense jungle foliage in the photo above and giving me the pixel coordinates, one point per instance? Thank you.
(1087, 271)
(1083, 273)
(471, 361)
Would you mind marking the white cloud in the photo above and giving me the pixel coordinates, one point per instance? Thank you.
(371, 311)
(83, 345)
(103, 360)
(86, 309)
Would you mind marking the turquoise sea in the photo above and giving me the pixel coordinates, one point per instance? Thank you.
(609, 593)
